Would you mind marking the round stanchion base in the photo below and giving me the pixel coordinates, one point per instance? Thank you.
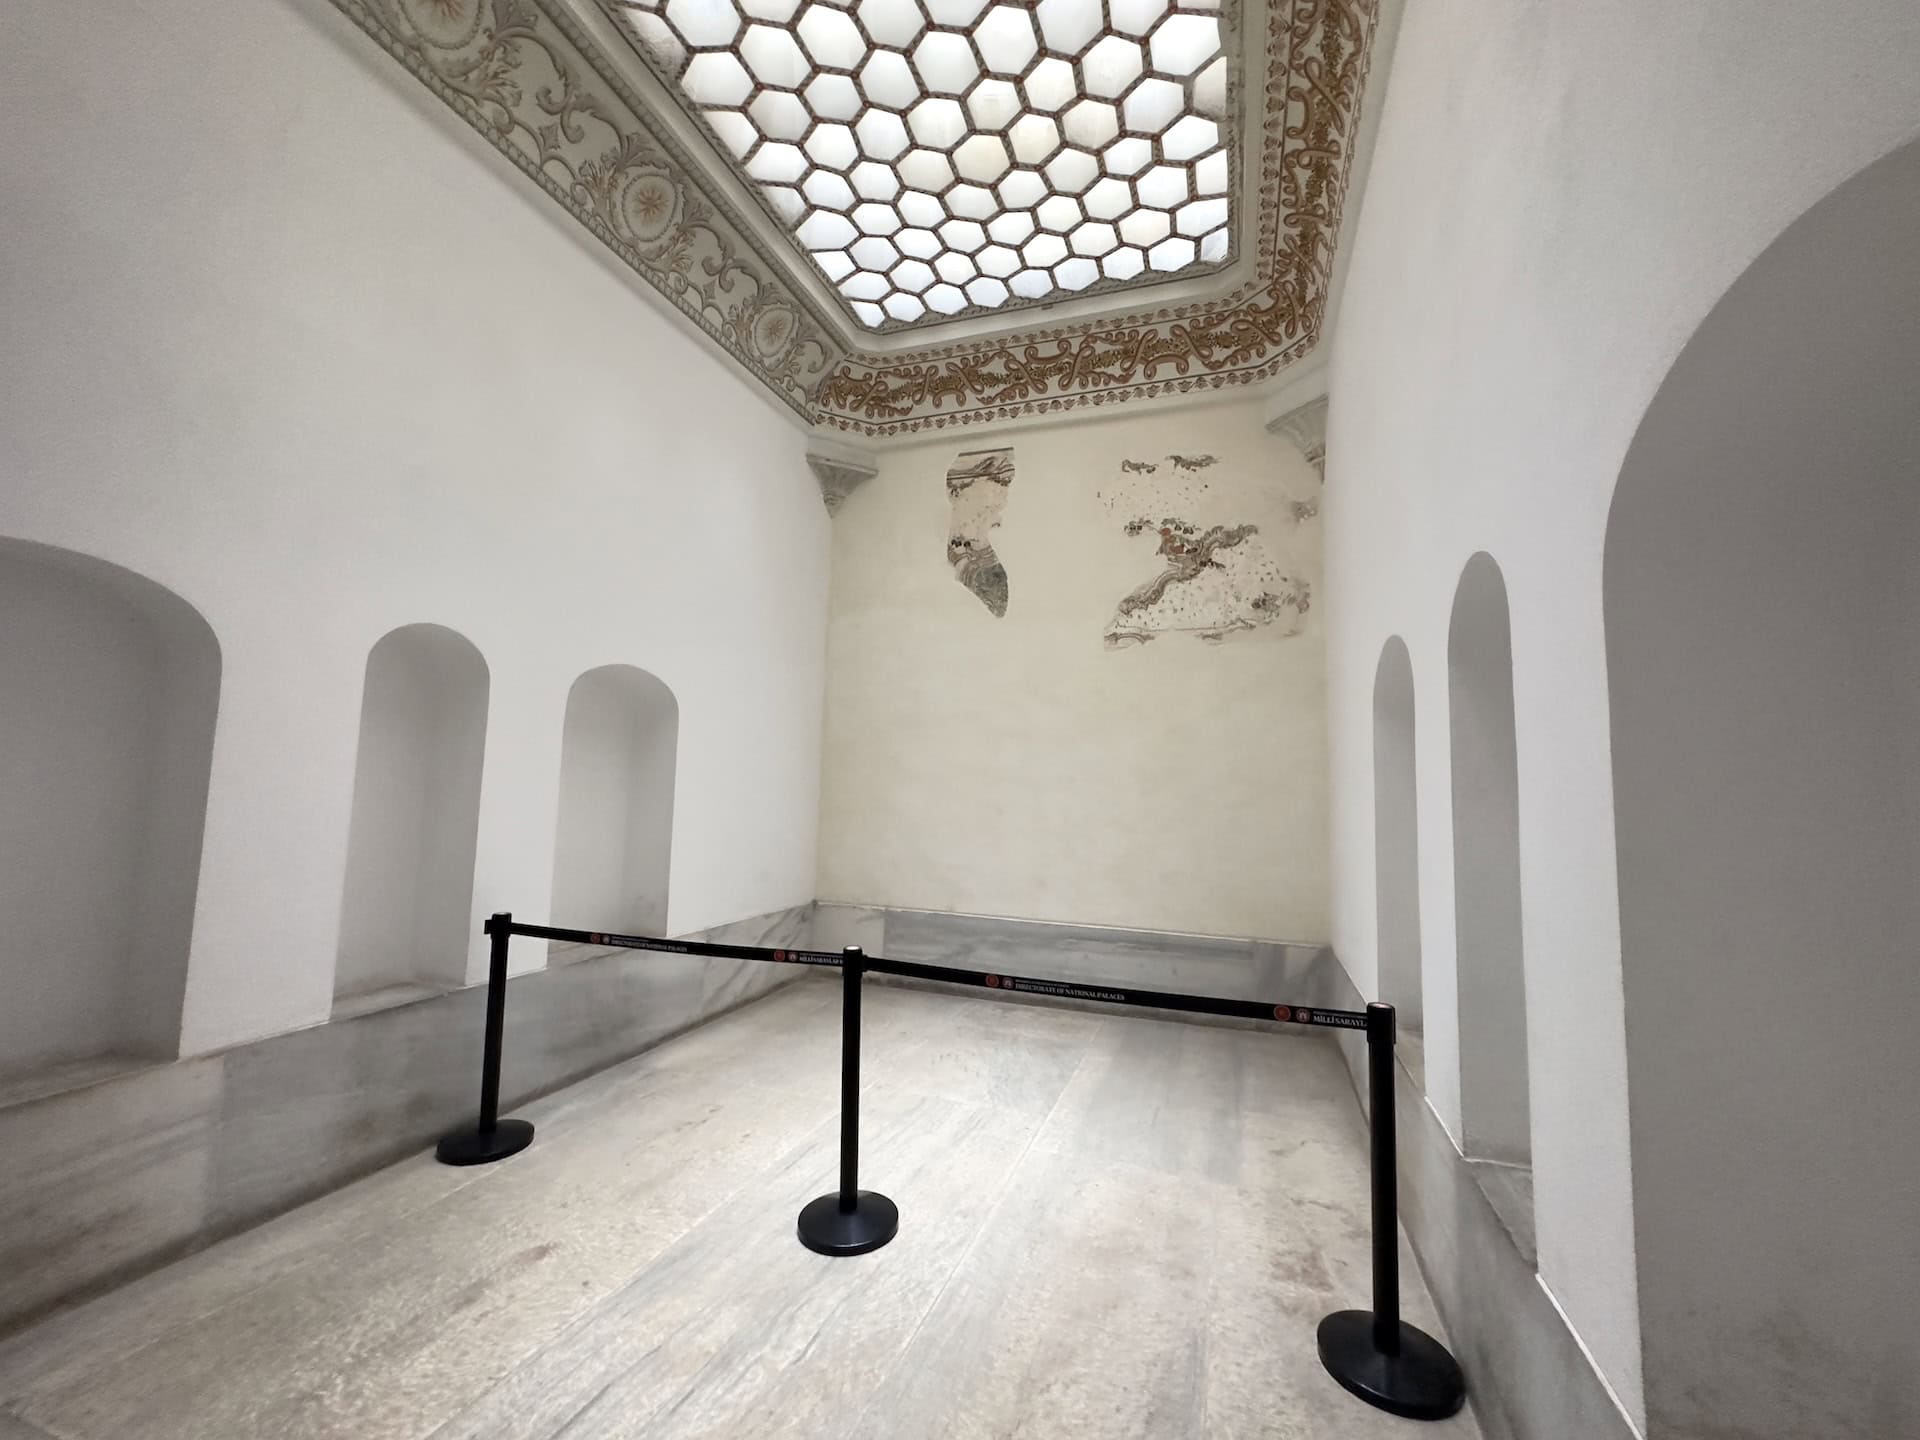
(477, 1147)
(829, 1230)
(1422, 1382)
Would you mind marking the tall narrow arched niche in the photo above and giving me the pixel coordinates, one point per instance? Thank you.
(1496, 1118)
(1762, 603)
(1396, 843)
(614, 843)
(109, 687)
(406, 915)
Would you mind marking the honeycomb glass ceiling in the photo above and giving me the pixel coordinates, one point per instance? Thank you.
(940, 157)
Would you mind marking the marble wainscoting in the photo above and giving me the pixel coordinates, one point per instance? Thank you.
(107, 1179)
(1527, 1376)
(1277, 971)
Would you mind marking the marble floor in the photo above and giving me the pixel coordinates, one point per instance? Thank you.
(1111, 1226)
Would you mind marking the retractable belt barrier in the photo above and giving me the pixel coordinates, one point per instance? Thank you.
(1372, 1353)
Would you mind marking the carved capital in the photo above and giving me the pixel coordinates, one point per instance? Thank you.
(1306, 426)
(840, 473)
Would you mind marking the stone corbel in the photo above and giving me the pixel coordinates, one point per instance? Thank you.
(1298, 413)
(839, 469)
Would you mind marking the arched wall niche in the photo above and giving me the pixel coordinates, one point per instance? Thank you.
(1396, 841)
(1762, 600)
(614, 841)
(405, 911)
(109, 690)
(1496, 1116)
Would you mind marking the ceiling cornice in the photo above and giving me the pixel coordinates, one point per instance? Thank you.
(527, 77)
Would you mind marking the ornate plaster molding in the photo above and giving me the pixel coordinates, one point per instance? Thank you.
(528, 78)
(1306, 426)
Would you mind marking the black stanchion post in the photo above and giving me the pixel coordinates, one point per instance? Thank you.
(851, 1221)
(493, 1138)
(1377, 1355)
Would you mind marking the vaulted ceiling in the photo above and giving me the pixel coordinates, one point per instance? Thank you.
(902, 215)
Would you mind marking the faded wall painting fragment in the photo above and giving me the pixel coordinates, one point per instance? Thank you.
(1217, 575)
(977, 484)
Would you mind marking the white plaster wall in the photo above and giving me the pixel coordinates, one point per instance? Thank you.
(283, 334)
(1014, 766)
(1558, 196)
(613, 844)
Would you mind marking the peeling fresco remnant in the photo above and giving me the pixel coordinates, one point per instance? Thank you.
(977, 484)
(1217, 577)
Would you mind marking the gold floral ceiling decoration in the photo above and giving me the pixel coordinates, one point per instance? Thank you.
(856, 169)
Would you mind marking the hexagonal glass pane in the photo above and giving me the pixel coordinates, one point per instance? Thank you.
(833, 97)
(833, 145)
(945, 62)
(1059, 213)
(837, 264)
(914, 275)
(716, 80)
(1152, 105)
(946, 299)
(888, 80)
(938, 122)
(873, 218)
(981, 158)
(1021, 189)
(780, 115)
(1006, 40)
(1072, 171)
(874, 253)
(1111, 66)
(787, 202)
(827, 189)
(868, 313)
(735, 130)
(823, 230)
(1135, 17)
(955, 268)
(774, 56)
(963, 235)
(919, 243)
(704, 22)
(1011, 227)
(1077, 273)
(1185, 42)
(987, 291)
(1050, 86)
(1044, 250)
(875, 181)
(1172, 254)
(993, 104)
(1031, 284)
(1146, 227)
(831, 37)
(904, 307)
(1093, 238)
(1109, 199)
(1189, 136)
(777, 160)
(1123, 264)
(1199, 216)
(925, 170)
(881, 133)
(998, 260)
(866, 286)
(1034, 139)
(1127, 156)
(919, 208)
(955, 12)
(1090, 123)
(891, 22)
(1163, 187)
(1210, 174)
(971, 201)
(1069, 24)
(1210, 90)
(1216, 245)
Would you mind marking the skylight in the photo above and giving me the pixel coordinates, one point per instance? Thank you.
(936, 157)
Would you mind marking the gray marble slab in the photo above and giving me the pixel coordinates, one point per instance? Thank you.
(1526, 1371)
(126, 1167)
